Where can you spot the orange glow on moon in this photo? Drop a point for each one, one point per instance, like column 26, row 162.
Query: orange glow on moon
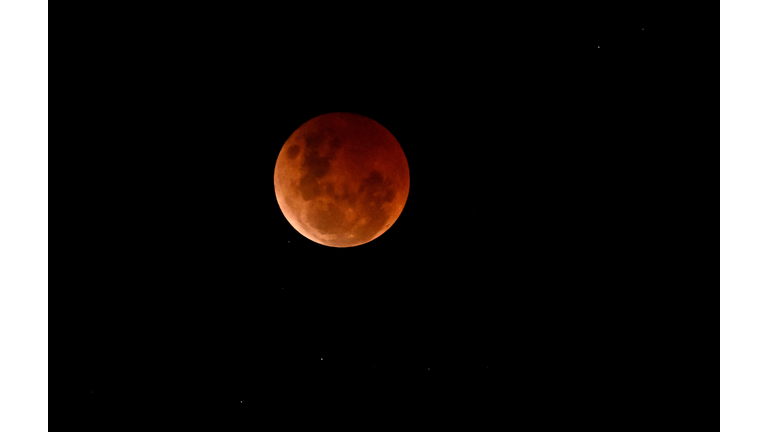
column 341, row 179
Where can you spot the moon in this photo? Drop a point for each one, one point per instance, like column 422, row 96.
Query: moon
column 341, row 179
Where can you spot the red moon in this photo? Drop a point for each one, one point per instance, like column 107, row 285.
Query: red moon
column 341, row 179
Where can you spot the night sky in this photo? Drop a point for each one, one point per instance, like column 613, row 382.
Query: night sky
column 529, row 160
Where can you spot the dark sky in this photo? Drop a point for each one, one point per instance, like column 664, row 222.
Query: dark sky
column 530, row 168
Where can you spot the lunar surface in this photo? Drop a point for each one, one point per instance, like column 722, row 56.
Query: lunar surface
column 341, row 179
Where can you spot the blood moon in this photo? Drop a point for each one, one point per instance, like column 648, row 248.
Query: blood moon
column 341, row 179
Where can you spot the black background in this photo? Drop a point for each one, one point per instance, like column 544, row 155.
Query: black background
column 535, row 179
